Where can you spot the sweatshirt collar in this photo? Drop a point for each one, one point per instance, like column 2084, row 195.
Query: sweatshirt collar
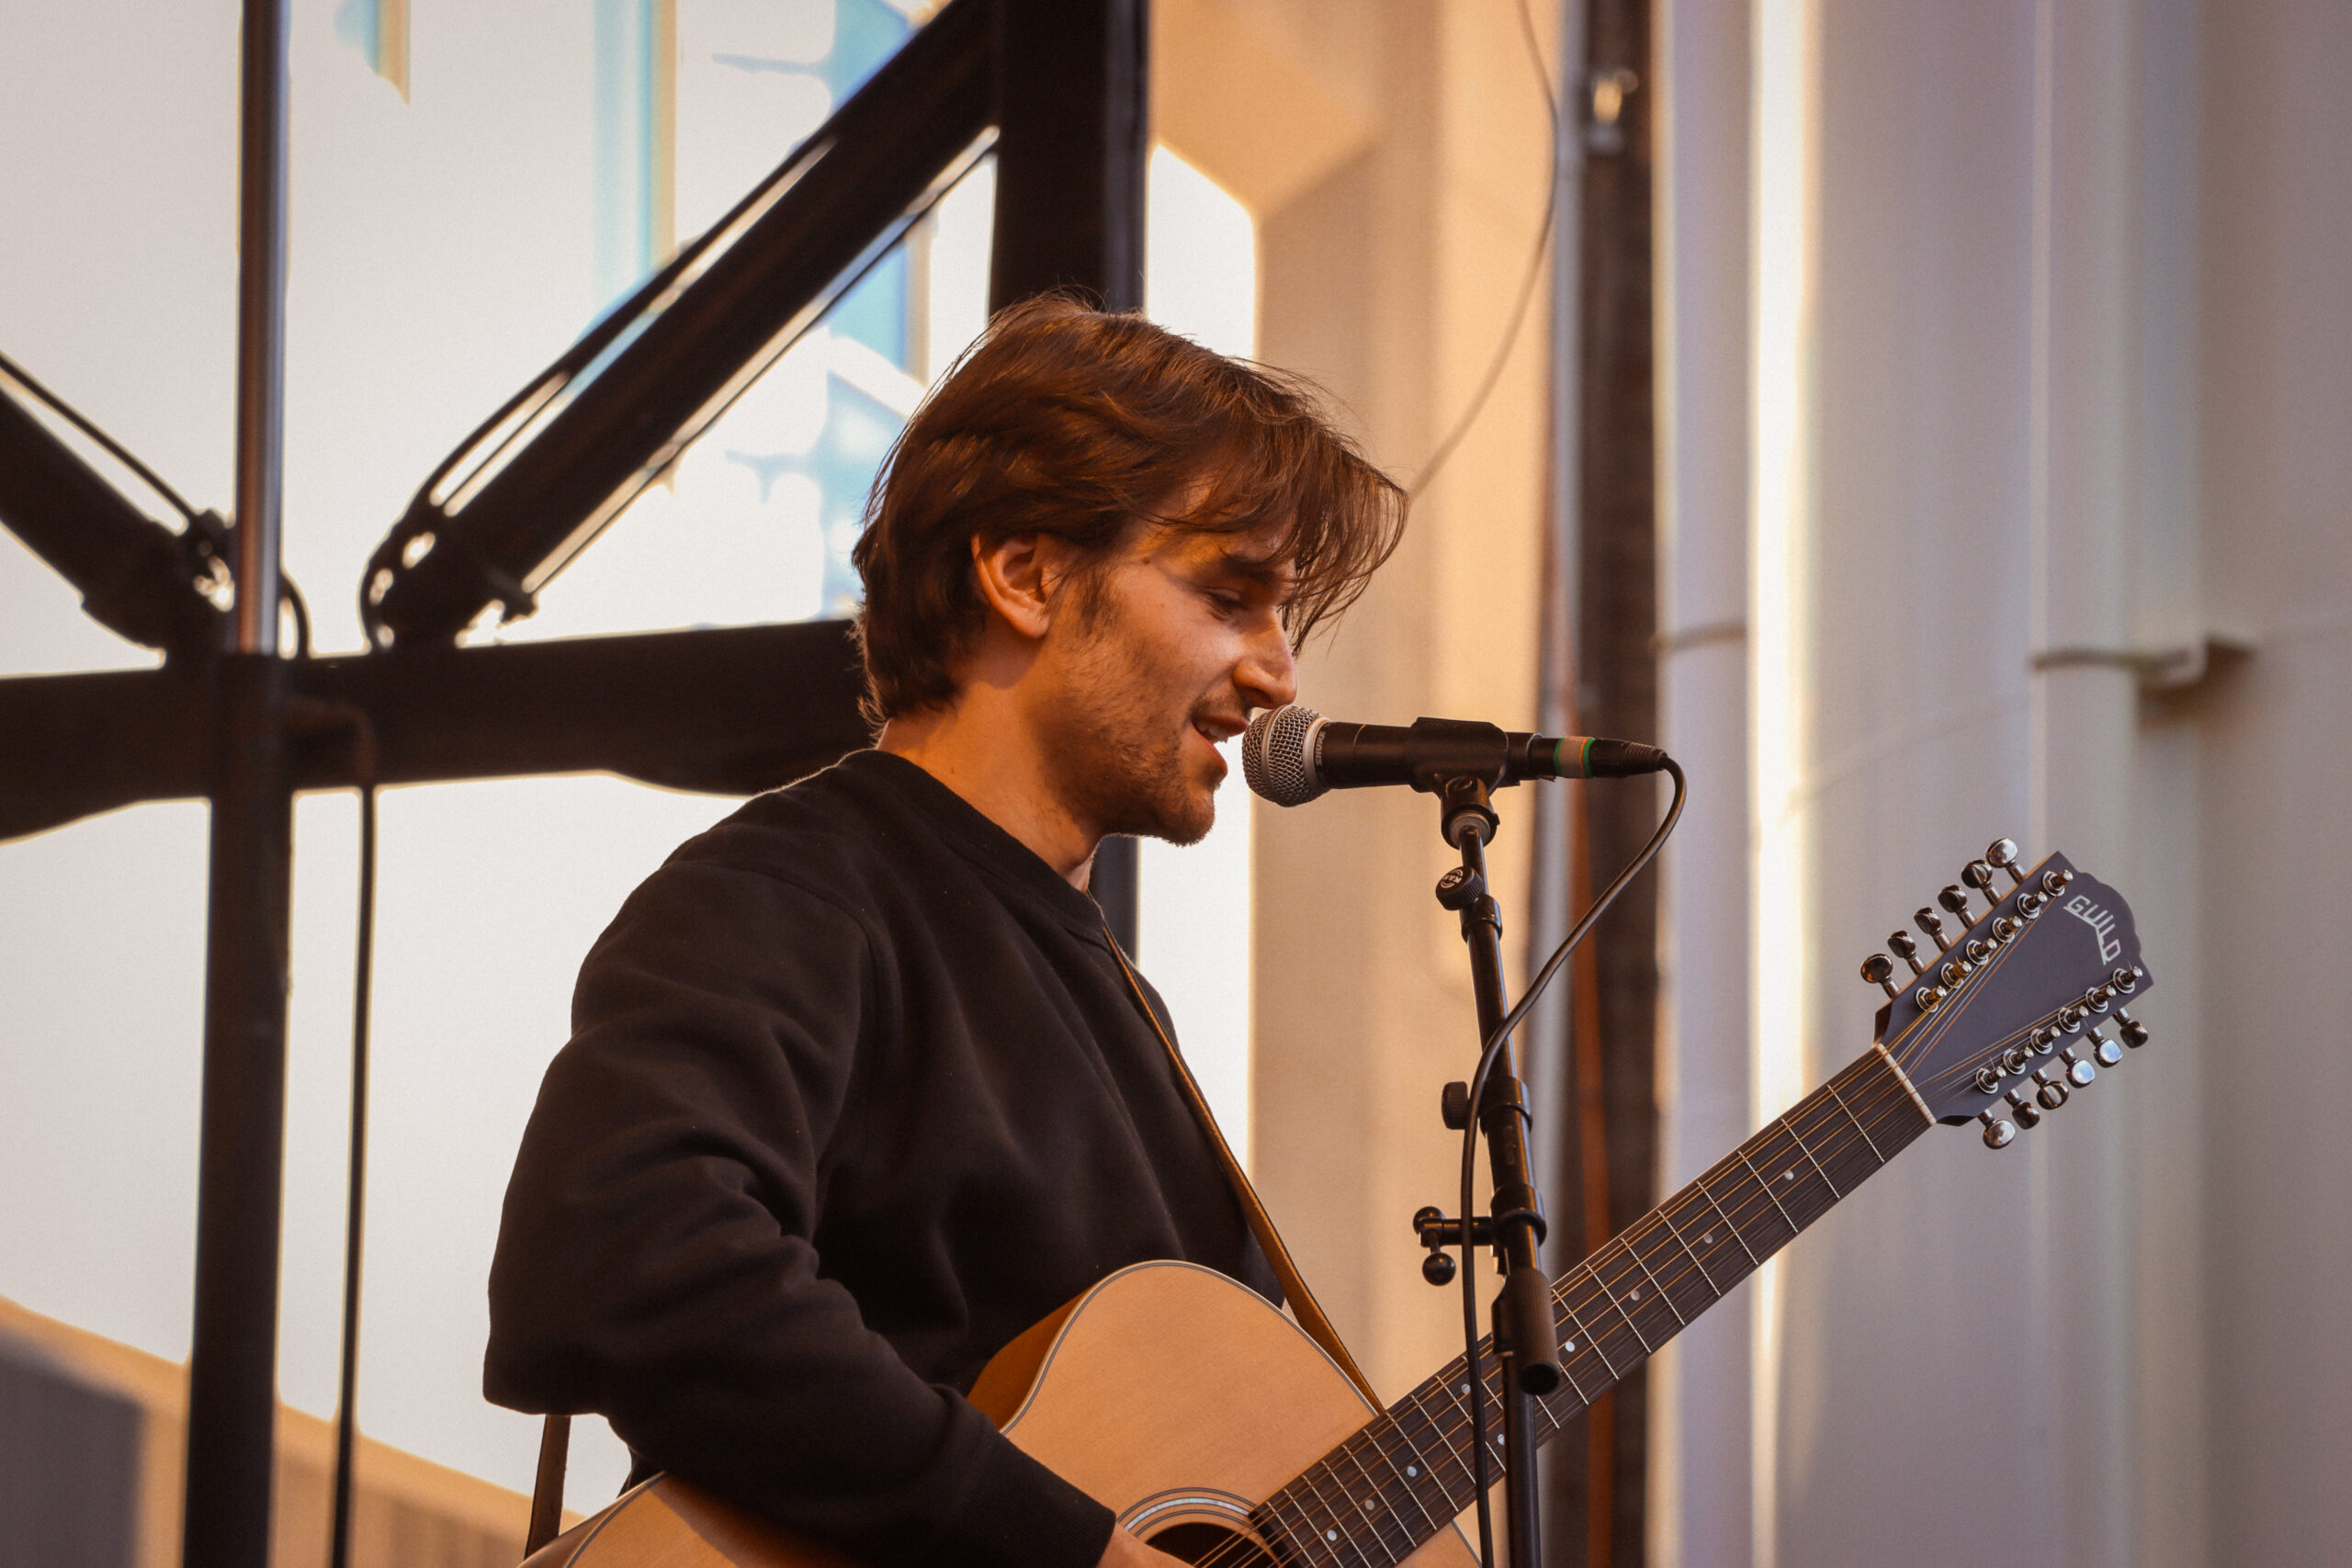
column 970, row 833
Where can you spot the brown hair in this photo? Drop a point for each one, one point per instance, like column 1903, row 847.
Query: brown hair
column 1080, row 424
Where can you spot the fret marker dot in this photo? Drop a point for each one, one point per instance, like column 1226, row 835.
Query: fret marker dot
column 1463, row 1389
column 1637, row 1295
column 1411, row 1470
column 1371, row 1506
column 1707, row 1239
column 1788, row 1176
column 1330, row 1535
column 1567, row 1347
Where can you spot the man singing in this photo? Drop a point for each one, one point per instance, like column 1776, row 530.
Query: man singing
column 858, row 1089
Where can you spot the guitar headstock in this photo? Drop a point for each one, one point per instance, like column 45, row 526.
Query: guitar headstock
column 2025, row 1004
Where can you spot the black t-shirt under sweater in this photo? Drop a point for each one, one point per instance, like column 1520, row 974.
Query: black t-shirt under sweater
column 856, row 1092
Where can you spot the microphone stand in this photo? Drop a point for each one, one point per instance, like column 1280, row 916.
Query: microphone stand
column 1526, row 1334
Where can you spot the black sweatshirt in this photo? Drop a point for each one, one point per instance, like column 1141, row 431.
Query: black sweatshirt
column 855, row 1093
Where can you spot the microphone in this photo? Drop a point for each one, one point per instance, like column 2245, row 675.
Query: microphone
column 1293, row 754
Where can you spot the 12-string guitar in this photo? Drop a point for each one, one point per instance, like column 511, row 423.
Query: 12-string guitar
column 1221, row 1434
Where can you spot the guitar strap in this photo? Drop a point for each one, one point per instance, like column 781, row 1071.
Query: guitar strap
column 1301, row 1301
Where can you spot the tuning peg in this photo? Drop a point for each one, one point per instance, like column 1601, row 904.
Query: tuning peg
column 1999, row 1131
column 2053, row 1092
column 2029, row 1116
column 2136, row 1034
column 2003, row 852
column 1878, row 969
column 1978, row 874
column 1932, row 923
column 1955, row 900
column 2105, row 1051
column 2078, row 1072
column 1906, row 950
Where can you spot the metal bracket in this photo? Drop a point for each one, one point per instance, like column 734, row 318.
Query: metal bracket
column 2158, row 670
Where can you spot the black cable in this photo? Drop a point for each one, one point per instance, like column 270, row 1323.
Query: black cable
column 1428, row 475
column 294, row 602
column 203, row 536
column 74, row 417
column 347, row 1413
column 1487, row 1056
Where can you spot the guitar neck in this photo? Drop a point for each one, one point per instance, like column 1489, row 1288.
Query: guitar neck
column 1399, row 1479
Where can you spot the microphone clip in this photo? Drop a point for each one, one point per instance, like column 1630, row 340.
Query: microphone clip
column 1467, row 813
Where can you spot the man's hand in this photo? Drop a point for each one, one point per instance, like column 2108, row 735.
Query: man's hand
column 1127, row 1551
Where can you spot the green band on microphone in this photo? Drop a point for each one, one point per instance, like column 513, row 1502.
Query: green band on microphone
column 1583, row 761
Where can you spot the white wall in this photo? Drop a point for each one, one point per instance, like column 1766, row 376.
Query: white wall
column 2067, row 285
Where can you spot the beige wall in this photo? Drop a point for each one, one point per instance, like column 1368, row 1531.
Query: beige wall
column 406, row 1513
column 1396, row 157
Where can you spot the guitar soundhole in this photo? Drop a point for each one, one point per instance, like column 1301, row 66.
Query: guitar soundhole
column 1194, row 1542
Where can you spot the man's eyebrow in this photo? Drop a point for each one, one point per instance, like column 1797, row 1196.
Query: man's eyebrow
column 1277, row 570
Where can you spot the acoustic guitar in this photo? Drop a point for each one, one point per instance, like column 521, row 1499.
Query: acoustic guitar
column 1221, row 1434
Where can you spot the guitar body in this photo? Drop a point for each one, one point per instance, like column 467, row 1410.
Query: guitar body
column 1175, row 1395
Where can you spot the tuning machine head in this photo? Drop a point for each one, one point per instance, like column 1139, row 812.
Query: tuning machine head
column 1878, row 970
column 2003, row 852
column 1933, row 924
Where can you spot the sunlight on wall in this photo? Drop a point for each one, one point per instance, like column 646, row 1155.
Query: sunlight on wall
column 1786, row 159
column 1200, row 279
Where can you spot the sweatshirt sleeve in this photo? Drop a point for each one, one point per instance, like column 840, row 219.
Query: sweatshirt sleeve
column 655, row 1261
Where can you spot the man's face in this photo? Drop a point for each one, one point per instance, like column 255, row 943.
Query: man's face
column 1177, row 641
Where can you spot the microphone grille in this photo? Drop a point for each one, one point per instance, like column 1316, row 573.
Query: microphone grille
column 1274, row 755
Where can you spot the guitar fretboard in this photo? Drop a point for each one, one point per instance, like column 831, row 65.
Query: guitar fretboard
column 1376, row 1498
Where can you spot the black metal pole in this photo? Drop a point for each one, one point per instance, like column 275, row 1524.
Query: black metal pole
column 1074, row 142
column 233, row 1373
column 1526, row 1339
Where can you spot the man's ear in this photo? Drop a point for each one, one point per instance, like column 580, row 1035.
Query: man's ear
column 1020, row 578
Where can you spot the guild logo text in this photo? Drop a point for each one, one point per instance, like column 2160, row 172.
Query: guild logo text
column 2102, row 924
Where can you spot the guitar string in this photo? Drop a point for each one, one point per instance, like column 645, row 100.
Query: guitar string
column 1913, row 1043
column 1544, row 1404
column 1821, row 1104
column 1796, row 1127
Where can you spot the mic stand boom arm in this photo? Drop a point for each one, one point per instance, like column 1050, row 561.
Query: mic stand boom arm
column 1526, row 1335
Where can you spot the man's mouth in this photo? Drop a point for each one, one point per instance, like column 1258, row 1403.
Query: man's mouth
column 1217, row 728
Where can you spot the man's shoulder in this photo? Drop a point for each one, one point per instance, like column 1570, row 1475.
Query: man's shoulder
column 819, row 833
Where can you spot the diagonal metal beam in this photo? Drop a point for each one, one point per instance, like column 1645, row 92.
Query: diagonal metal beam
column 602, row 423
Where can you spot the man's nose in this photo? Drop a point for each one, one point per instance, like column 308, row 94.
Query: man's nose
column 1269, row 673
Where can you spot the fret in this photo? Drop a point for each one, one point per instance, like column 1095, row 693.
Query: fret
column 1623, row 1313
column 1754, row 1262
column 1407, row 1475
column 1832, row 1086
column 1445, row 1445
column 1639, row 1292
column 1635, row 1253
column 1590, row 1343
column 1798, row 1138
column 1346, row 1512
column 1305, row 1539
column 1759, row 1178
column 1802, row 1188
column 1666, row 1214
column 1377, row 1509
column 1336, row 1516
column 1569, row 1350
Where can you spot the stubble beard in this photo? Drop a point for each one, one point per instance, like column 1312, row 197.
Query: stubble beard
column 1118, row 754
